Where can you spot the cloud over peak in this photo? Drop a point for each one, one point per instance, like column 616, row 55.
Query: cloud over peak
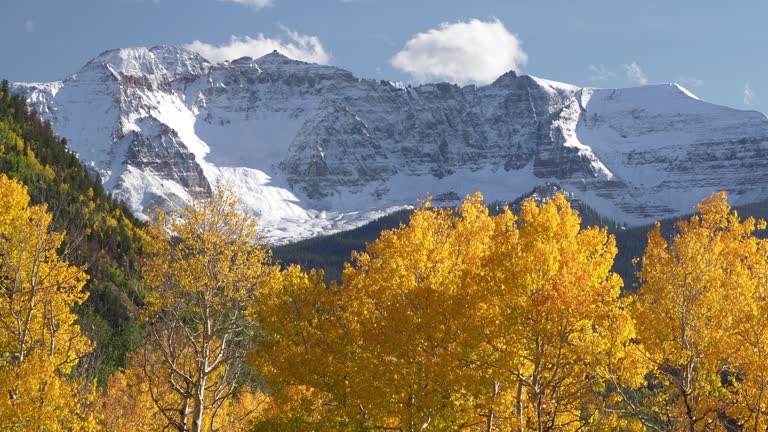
column 635, row 74
column 463, row 52
column 297, row 46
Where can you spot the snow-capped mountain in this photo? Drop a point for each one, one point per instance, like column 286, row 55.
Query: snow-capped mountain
column 312, row 149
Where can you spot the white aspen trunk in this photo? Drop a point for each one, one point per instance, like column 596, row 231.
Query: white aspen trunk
column 489, row 425
column 520, row 415
column 199, row 405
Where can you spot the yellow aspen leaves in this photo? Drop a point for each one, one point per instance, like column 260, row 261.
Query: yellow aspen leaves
column 457, row 321
column 39, row 340
column 462, row 321
column 559, row 332
column 36, row 397
column 127, row 405
column 700, row 315
column 202, row 270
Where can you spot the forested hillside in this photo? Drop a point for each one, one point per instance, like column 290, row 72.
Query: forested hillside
column 101, row 232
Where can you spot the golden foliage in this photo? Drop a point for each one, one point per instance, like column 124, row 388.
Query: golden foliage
column 203, row 268
column 35, row 397
column 458, row 320
column 129, row 401
column 40, row 287
column 561, row 332
column 39, row 340
column 126, row 404
column 700, row 315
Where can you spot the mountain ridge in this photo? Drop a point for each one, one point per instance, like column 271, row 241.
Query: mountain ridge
column 315, row 150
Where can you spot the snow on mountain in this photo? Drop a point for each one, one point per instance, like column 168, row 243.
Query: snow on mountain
column 312, row 149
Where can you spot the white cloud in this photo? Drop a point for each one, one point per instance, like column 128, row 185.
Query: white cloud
column 256, row 4
column 749, row 95
column 29, row 26
column 298, row 47
column 635, row 74
column 462, row 52
column 601, row 73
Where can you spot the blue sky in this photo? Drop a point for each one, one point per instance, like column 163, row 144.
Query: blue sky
column 714, row 48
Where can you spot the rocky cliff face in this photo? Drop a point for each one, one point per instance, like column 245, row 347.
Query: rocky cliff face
column 313, row 149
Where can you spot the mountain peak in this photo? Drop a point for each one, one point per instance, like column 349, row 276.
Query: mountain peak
column 176, row 52
column 507, row 77
column 276, row 57
column 160, row 60
column 276, row 54
column 179, row 61
column 128, row 61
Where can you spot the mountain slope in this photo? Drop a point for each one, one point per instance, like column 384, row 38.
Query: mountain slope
column 314, row 150
column 100, row 231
